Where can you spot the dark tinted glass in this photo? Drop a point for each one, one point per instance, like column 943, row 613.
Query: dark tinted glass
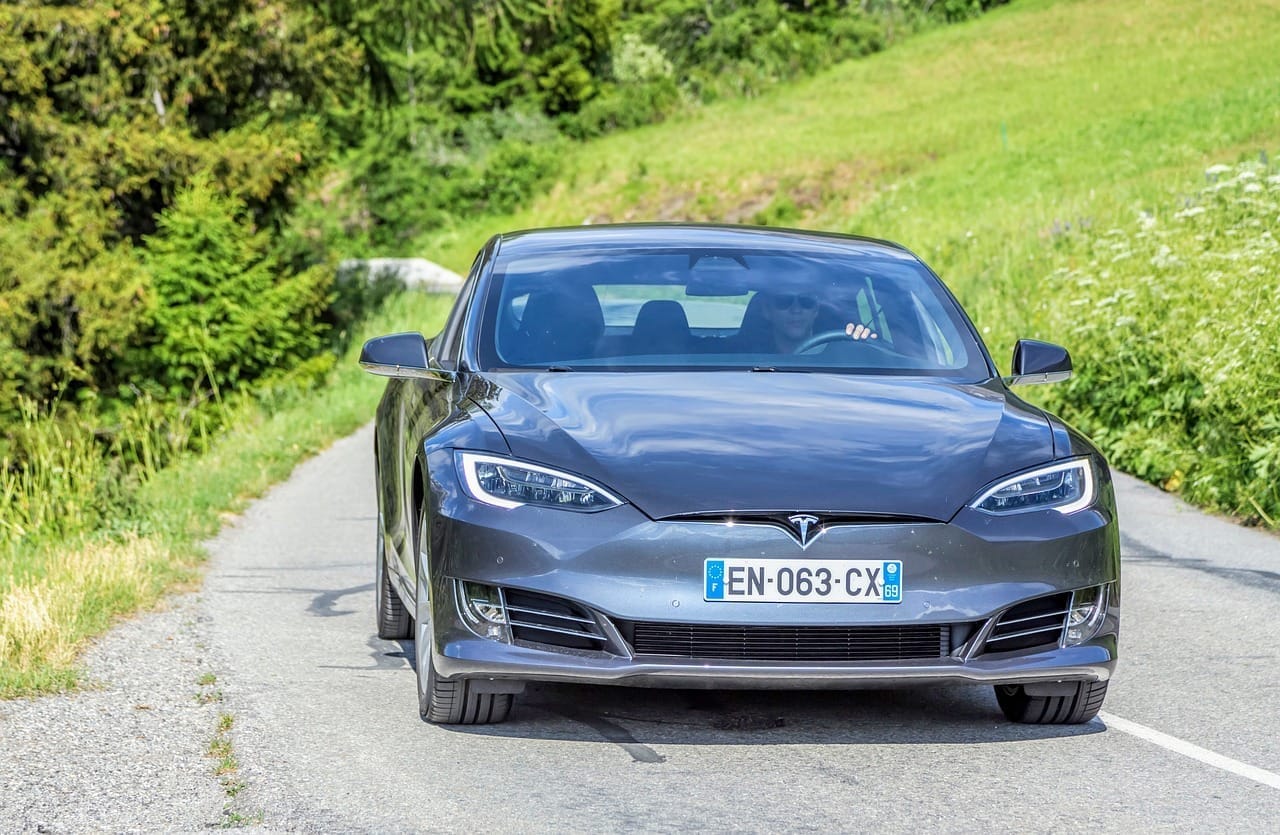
column 693, row 309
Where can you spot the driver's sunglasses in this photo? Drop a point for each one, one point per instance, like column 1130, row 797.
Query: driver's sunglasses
column 790, row 300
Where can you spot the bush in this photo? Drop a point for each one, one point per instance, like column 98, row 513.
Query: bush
column 425, row 170
column 724, row 47
column 1179, row 317
column 223, row 313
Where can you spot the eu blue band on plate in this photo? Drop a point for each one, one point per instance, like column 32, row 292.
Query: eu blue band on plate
column 715, row 579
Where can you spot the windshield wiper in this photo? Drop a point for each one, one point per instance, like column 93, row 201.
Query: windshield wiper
column 763, row 368
column 559, row 368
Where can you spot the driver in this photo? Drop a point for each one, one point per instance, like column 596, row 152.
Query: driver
column 791, row 318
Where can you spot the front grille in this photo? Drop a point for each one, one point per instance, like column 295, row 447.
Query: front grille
column 1035, row 623
column 789, row 643
column 542, row 619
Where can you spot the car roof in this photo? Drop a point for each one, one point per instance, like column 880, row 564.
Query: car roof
column 695, row 236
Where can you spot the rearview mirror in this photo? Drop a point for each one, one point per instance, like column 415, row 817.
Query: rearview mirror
column 399, row 355
column 1038, row 362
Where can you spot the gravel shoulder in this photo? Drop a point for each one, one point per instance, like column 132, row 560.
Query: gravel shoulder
column 129, row 752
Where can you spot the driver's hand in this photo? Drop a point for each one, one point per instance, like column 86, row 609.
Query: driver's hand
column 860, row 331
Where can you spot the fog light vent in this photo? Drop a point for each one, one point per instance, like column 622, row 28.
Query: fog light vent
column 543, row 619
column 483, row 609
column 1088, row 608
column 1033, row 624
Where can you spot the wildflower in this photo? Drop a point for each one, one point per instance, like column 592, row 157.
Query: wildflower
column 1217, row 169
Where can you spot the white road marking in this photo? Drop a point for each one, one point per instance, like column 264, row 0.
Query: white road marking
column 1195, row 752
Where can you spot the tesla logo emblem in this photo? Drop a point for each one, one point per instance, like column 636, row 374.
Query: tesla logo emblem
column 805, row 528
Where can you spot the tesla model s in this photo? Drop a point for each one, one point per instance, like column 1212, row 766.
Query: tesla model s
column 728, row 457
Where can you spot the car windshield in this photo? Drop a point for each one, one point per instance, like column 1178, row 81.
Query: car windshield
column 683, row 308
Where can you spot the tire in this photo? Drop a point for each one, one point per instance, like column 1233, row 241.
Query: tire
column 394, row 620
column 444, row 702
column 1073, row 708
column 441, row 701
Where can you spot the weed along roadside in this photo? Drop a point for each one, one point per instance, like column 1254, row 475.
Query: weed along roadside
column 58, row 591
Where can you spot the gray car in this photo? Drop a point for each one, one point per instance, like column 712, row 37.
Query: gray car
column 715, row 457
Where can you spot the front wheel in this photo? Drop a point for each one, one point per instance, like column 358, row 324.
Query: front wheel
column 394, row 620
column 441, row 701
column 1075, row 706
column 456, row 702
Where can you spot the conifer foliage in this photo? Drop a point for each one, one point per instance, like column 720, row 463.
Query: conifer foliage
column 223, row 311
column 108, row 109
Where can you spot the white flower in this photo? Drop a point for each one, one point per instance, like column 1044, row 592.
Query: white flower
column 1250, row 188
column 1191, row 212
column 1217, row 169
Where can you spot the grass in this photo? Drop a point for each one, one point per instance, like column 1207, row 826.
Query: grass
column 997, row 150
column 1180, row 300
column 966, row 143
column 65, row 586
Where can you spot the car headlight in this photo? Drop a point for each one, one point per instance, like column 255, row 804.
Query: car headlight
column 1065, row 487
column 503, row 482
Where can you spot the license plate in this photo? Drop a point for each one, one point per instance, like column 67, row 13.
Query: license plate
column 803, row 581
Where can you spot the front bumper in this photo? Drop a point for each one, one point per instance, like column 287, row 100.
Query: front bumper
column 620, row 567
column 465, row 656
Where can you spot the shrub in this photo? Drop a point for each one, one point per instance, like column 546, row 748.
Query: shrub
column 223, row 313
column 425, row 170
column 1179, row 316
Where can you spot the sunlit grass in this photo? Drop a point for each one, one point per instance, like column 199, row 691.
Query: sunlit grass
column 966, row 144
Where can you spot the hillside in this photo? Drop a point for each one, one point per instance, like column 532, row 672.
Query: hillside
column 1007, row 151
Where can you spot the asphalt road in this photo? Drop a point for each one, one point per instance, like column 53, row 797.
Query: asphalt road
column 328, row 736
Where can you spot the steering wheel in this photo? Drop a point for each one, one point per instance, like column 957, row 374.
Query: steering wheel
column 830, row 336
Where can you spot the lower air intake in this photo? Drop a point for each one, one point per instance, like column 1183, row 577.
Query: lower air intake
column 790, row 643
column 1035, row 623
column 542, row 619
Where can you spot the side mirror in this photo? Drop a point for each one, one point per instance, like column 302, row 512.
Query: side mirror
column 1038, row 362
column 399, row 355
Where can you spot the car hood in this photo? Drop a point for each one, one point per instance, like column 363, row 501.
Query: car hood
column 740, row 442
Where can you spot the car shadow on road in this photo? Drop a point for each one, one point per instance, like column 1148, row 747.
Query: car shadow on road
column 638, row 718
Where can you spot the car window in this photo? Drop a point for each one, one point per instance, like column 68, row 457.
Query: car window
column 706, row 315
column 743, row 309
column 451, row 336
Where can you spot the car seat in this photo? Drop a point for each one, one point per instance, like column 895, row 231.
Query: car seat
column 559, row 324
column 661, row 328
